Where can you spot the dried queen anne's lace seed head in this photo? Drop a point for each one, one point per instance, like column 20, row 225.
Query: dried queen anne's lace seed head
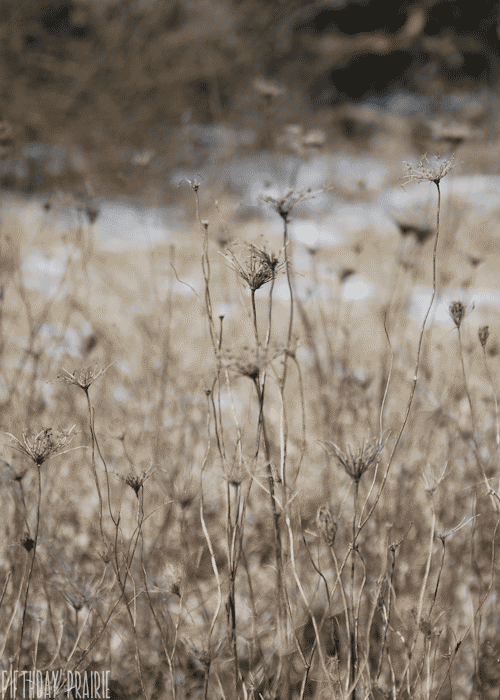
column 136, row 481
column 327, row 525
column 258, row 269
column 483, row 335
column 432, row 170
column 284, row 205
column 250, row 361
column 355, row 464
column 457, row 312
column 42, row 445
column 83, row 377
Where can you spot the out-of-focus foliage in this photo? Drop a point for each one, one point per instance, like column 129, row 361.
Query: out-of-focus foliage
column 103, row 75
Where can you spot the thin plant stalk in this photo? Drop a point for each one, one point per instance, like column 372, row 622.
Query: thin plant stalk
column 417, row 363
column 32, row 563
column 483, row 338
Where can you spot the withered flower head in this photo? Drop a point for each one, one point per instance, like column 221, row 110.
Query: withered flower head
column 42, row 445
column 483, row 335
column 326, row 524
column 432, row 170
column 27, row 542
column 250, row 361
column 355, row 464
column 83, row 377
column 458, row 312
column 284, row 205
column 259, row 268
column 136, row 481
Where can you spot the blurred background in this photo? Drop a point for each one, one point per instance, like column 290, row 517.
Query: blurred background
column 120, row 95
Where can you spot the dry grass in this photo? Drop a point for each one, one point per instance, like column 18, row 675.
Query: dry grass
column 263, row 497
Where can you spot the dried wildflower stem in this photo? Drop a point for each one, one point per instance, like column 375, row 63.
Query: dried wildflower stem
column 15, row 607
column 168, row 655
column 275, row 511
column 205, row 265
column 303, row 447
column 354, row 628
column 458, row 312
column 234, row 535
column 474, row 622
column 84, row 378
column 483, row 339
column 39, row 448
column 254, row 316
column 436, row 178
column 165, row 340
column 365, row 661
column 205, row 261
column 122, row 582
column 355, row 464
column 94, row 468
column 406, row 672
column 234, row 531
column 386, row 612
column 32, row 563
column 219, row 589
column 387, row 382
column 282, row 382
column 304, row 597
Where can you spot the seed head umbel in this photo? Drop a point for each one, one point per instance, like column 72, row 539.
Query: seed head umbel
column 40, row 446
column 83, row 377
column 284, row 205
column 483, row 335
column 326, row 524
column 259, row 268
column 136, row 481
column 432, row 170
column 356, row 463
column 250, row 361
column 458, row 311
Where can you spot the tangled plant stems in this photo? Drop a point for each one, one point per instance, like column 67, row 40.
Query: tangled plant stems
column 458, row 311
column 355, row 464
column 84, row 378
column 209, row 530
column 38, row 447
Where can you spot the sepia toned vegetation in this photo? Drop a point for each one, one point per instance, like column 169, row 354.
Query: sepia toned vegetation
column 224, row 474
column 217, row 486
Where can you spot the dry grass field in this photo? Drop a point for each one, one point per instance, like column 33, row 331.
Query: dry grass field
column 225, row 476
